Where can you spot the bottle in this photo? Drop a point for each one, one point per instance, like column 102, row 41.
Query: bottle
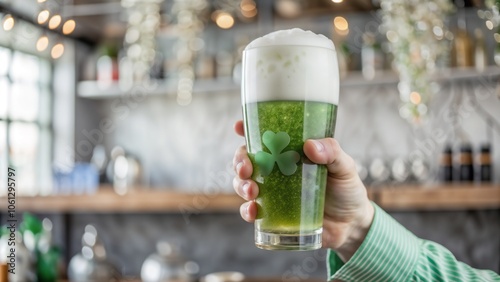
column 107, row 65
column 372, row 58
column 485, row 165
column 4, row 272
column 462, row 46
column 466, row 167
column 446, row 165
column 480, row 60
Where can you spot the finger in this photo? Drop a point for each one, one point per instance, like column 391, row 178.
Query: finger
column 248, row 211
column 247, row 189
column 238, row 127
column 242, row 164
column 327, row 151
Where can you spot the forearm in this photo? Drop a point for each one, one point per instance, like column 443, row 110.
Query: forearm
column 389, row 252
column 437, row 263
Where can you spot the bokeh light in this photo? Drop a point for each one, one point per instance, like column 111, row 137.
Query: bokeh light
column 42, row 43
column 341, row 25
column 415, row 98
column 57, row 51
column 55, row 21
column 69, row 27
column 224, row 20
column 43, row 16
column 8, row 22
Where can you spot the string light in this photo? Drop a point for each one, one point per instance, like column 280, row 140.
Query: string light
column 497, row 37
column 8, row 22
column 55, row 21
column 43, row 16
column 57, row 51
column 490, row 25
column 415, row 98
column 42, row 43
column 69, row 27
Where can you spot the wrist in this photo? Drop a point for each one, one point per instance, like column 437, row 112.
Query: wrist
column 357, row 232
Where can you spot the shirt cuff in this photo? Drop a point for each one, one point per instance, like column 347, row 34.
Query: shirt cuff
column 388, row 253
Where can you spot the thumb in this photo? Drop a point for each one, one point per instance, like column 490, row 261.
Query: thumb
column 327, row 152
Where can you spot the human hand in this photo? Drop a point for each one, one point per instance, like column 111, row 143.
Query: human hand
column 348, row 211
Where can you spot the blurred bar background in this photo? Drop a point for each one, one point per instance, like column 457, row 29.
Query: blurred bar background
column 117, row 117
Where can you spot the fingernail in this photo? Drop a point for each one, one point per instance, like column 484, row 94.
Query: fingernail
column 245, row 189
column 319, row 146
column 244, row 207
column 238, row 166
column 247, row 213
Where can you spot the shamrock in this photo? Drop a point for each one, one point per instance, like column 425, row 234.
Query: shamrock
column 276, row 142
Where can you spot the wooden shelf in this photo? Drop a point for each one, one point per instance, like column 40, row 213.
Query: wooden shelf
column 138, row 200
column 404, row 198
column 452, row 197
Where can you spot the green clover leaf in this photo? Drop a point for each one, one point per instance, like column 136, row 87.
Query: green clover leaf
column 276, row 143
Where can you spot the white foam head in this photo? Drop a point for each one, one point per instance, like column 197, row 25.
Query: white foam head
column 295, row 36
column 290, row 65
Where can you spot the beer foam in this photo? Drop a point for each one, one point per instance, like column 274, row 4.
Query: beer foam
column 290, row 65
column 295, row 36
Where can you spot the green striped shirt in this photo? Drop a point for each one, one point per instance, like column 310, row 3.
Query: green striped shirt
column 392, row 253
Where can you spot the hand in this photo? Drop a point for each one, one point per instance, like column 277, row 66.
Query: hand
column 348, row 211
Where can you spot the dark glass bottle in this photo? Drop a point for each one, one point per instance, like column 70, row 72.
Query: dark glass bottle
column 446, row 165
column 466, row 167
column 485, row 165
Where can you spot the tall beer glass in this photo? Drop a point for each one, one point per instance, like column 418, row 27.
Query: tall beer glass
column 290, row 92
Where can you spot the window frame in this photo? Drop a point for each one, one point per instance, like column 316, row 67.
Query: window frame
column 44, row 127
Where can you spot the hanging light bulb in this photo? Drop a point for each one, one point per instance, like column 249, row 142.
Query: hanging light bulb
column 41, row 1
column 55, row 21
column 43, row 16
column 69, row 27
column 247, row 5
column 42, row 43
column 57, row 51
column 224, row 20
column 341, row 25
column 8, row 22
column 248, row 8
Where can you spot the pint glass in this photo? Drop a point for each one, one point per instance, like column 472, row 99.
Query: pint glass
column 290, row 92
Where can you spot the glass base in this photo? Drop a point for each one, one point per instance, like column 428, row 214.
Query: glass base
column 291, row 242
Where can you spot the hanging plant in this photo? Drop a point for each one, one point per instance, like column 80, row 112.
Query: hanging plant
column 491, row 16
column 418, row 38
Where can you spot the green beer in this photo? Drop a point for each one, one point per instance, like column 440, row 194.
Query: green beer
column 289, row 94
column 294, row 203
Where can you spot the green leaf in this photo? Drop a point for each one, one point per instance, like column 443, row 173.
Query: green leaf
column 275, row 142
column 265, row 162
column 287, row 162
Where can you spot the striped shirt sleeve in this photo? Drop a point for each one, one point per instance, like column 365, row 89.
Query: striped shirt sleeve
column 392, row 253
